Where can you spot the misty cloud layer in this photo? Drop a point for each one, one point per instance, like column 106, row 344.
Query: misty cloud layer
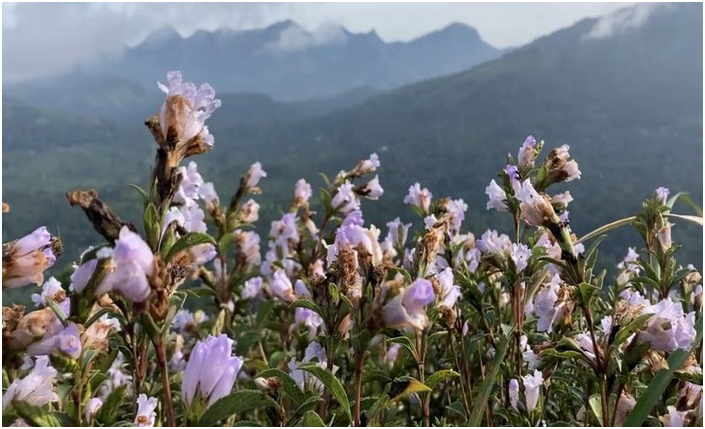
column 44, row 38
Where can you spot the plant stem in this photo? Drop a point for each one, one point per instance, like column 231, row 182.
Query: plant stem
column 462, row 374
column 360, row 361
column 425, row 402
column 161, row 360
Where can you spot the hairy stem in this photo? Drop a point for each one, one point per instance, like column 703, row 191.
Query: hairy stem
column 160, row 349
column 358, row 386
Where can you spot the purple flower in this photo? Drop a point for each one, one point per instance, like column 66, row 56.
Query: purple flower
column 449, row 292
column 356, row 238
column 406, row 310
column 669, row 328
column 493, row 243
column 133, row 264
column 209, row 195
column 313, row 351
column 398, row 233
column 308, row 318
column 391, row 354
column 82, row 273
column 497, row 197
column 544, row 304
column 418, row 197
column 92, row 408
column 373, row 190
column 281, row 286
column 345, row 199
column 25, row 260
column 457, row 209
column 302, row 192
column 520, row 254
column 353, row 218
column 248, row 247
column 527, row 152
column 662, row 194
column 368, row 166
column 52, row 289
column 64, row 340
column 190, row 186
column 186, row 108
column 252, row 288
column 36, row 389
column 211, row 371
column 254, row 175
column 514, row 392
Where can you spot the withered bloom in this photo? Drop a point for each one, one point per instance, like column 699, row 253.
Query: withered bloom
column 25, row 260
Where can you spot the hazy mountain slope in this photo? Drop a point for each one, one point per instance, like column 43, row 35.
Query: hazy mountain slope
column 630, row 106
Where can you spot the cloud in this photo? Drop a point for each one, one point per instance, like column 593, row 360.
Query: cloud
column 624, row 20
column 295, row 38
column 40, row 39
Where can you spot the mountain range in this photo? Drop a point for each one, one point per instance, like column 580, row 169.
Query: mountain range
column 624, row 91
column 282, row 61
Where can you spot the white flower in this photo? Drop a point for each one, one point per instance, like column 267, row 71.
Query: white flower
column 209, row 195
column 449, row 292
column 520, row 254
column 406, row 310
column 313, row 351
column 369, row 165
column 52, row 289
column 669, row 328
column 37, row 388
column 497, row 197
column 457, row 209
column 254, row 175
column 544, row 305
column 281, row 286
column 248, row 247
column 532, row 389
column 25, row 260
column 674, row 418
column 92, row 408
column 662, row 194
column 418, row 197
column 146, row 413
column 252, row 288
column 429, row 221
column 493, row 243
column 190, row 186
column 133, row 264
column 345, row 199
column 186, row 109
column 398, row 233
column 302, row 192
column 372, row 190
column 527, row 152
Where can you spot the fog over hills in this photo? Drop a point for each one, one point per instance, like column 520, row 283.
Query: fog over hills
column 625, row 92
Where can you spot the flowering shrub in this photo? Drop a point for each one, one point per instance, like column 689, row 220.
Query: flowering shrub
column 340, row 325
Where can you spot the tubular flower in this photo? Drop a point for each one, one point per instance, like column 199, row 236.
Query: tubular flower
column 302, row 193
column 497, row 197
column 418, row 197
column 254, row 175
column 211, row 371
column 448, row 293
column 345, row 199
column 190, row 186
column 52, row 289
column 669, row 328
column 146, row 413
column 514, row 393
column 37, row 388
column 527, row 152
column 406, row 309
column 372, row 190
column 560, row 167
column 186, row 109
column 64, row 340
column 133, row 263
column 25, row 260
column 532, row 389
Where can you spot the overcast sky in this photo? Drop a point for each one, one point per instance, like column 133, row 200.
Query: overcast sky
column 41, row 38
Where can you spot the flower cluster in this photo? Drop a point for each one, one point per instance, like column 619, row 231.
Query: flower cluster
column 199, row 320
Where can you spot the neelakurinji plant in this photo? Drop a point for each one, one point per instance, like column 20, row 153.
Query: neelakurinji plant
column 337, row 326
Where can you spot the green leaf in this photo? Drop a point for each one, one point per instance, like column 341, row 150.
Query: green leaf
column 439, row 376
column 405, row 386
column 140, row 191
column 246, row 424
column 36, row 416
column 625, row 331
column 691, row 218
column 658, row 385
column 596, row 407
column 482, row 399
column 187, row 241
column 308, row 404
column 108, row 411
column 152, row 225
column 685, row 197
column 332, row 384
column 311, row 419
column 289, row 385
column 406, row 342
column 307, row 303
column 57, row 310
column 604, row 228
column 235, row 403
